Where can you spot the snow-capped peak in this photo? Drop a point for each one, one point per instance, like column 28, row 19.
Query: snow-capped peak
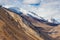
column 23, row 11
column 26, row 12
column 8, row 6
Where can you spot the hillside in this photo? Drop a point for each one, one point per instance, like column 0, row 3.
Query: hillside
column 23, row 27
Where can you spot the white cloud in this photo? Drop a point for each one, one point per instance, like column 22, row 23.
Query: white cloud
column 47, row 8
column 31, row 1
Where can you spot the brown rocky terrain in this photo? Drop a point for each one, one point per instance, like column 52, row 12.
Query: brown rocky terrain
column 22, row 27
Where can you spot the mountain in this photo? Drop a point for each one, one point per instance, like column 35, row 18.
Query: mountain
column 15, row 26
column 19, row 11
column 32, row 14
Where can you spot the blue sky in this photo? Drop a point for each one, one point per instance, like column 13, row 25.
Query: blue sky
column 44, row 8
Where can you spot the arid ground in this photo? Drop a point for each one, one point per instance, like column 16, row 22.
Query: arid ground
column 23, row 27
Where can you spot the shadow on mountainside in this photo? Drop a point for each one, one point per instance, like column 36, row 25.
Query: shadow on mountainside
column 14, row 31
column 39, row 30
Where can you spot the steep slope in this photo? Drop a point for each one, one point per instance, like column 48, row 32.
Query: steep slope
column 12, row 27
column 23, row 27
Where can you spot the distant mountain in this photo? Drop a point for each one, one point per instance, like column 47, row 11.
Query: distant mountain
column 15, row 9
column 19, row 11
column 32, row 14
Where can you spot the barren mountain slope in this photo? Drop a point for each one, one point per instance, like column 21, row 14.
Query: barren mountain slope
column 12, row 27
column 22, row 27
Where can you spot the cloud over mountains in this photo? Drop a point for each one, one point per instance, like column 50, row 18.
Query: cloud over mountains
column 46, row 8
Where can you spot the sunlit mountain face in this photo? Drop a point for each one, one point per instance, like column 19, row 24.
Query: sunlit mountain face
column 48, row 9
column 30, row 19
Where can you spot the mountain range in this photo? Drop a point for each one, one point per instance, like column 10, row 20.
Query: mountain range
column 19, row 11
column 16, row 24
